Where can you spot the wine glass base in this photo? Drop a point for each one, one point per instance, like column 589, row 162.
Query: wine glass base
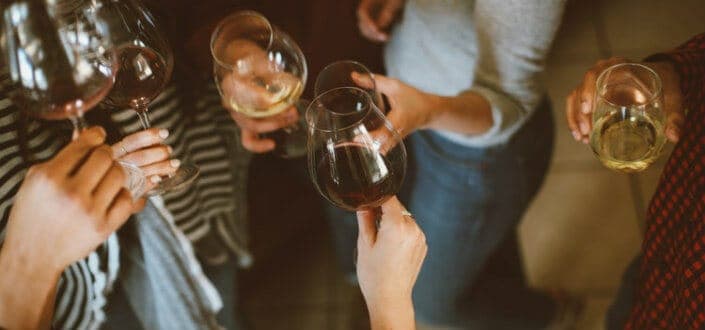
column 183, row 178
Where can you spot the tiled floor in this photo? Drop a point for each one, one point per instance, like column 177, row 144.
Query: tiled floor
column 582, row 229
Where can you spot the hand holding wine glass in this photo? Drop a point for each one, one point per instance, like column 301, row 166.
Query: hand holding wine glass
column 395, row 246
column 260, row 73
column 145, row 67
column 580, row 102
column 146, row 150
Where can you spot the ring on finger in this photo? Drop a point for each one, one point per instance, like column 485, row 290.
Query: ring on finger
column 407, row 214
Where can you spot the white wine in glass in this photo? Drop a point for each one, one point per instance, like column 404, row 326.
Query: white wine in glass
column 628, row 121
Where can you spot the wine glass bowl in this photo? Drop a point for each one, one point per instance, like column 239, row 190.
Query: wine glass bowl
column 259, row 70
column 356, row 158
column 628, row 120
column 59, row 67
column 348, row 73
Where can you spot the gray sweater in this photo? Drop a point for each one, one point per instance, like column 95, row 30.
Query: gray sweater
column 496, row 48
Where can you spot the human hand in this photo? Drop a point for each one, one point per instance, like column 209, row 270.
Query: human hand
column 580, row 102
column 375, row 16
column 410, row 108
column 146, row 150
column 256, row 85
column 68, row 205
column 388, row 263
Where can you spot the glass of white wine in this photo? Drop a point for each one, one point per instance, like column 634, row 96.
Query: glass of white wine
column 259, row 70
column 628, row 120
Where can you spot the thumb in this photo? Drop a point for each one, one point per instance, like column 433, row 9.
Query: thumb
column 385, row 85
column 387, row 14
column 674, row 125
column 367, row 228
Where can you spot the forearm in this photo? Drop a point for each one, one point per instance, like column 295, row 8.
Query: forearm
column 468, row 113
column 393, row 316
column 27, row 292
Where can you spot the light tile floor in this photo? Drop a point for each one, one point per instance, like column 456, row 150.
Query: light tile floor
column 582, row 229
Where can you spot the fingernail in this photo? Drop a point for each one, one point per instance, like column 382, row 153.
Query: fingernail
column 584, row 108
column 155, row 179
column 576, row 135
column 175, row 163
column 163, row 133
column 169, row 149
column 584, row 128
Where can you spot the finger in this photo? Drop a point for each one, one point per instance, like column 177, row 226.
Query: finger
column 269, row 124
column 571, row 110
column 674, row 125
column 253, row 143
column 94, row 168
column 387, row 14
column 119, row 211
column 367, row 226
column 392, row 211
column 587, row 92
column 367, row 25
column 140, row 140
column 148, row 156
column 138, row 205
column 363, row 80
column 108, row 188
column 69, row 158
column 163, row 168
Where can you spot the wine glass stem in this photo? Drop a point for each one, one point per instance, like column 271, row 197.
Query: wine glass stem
column 79, row 125
column 144, row 117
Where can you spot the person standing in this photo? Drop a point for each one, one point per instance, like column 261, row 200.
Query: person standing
column 664, row 287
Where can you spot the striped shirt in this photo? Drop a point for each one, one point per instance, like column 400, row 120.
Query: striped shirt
column 211, row 213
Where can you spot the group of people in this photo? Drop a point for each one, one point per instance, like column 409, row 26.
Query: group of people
column 464, row 90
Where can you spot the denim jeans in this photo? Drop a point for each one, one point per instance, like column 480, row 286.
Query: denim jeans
column 468, row 201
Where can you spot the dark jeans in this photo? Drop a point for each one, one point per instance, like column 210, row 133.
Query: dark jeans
column 618, row 314
column 468, row 201
column 121, row 316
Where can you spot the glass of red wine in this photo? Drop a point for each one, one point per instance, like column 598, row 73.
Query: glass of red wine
column 356, row 158
column 145, row 63
column 260, row 72
column 60, row 65
column 348, row 73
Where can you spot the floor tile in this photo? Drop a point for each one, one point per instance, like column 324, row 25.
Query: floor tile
column 646, row 26
column 593, row 316
column 581, row 231
column 290, row 319
column 577, row 36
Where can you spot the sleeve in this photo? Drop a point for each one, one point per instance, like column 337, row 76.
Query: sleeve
column 689, row 61
column 514, row 38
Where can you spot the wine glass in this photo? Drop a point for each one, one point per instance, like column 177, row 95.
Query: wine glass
column 259, row 70
column 348, row 73
column 60, row 66
column 628, row 120
column 145, row 63
column 356, row 158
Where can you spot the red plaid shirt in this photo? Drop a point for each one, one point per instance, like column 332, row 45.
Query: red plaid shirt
column 670, row 292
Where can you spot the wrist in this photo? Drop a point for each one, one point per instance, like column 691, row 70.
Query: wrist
column 392, row 314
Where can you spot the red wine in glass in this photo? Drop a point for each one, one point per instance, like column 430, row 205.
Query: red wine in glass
column 355, row 177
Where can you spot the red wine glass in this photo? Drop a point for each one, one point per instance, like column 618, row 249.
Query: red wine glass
column 145, row 63
column 60, row 65
column 356, row 158
column 348, row 73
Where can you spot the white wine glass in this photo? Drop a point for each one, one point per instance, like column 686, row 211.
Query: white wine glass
column 145, row 64
column 628, row 118
column 260, row 71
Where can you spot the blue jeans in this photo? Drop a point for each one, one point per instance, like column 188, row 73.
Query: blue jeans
column 468, row 201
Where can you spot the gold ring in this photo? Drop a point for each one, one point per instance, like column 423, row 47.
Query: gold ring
column 407, row 214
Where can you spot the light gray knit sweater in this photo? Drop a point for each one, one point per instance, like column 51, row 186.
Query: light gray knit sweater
column 496, row 48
